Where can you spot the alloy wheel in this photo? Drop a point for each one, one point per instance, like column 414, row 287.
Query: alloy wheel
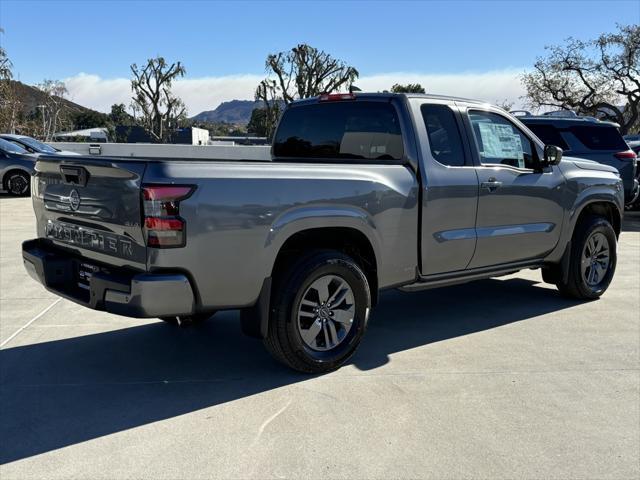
column 595, row 259
column 17, row 184
column 326, row 312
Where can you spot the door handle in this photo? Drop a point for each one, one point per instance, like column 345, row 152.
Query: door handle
column 492, row 184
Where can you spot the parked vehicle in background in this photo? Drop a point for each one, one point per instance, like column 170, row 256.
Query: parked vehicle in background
column 365, row 192
column 588, row 138
column 634, row 143
column 31, row 145
column 16, row 167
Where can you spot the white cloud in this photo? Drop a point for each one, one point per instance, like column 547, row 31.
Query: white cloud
column 207, row 93
column 98, row 93
column 492, row 87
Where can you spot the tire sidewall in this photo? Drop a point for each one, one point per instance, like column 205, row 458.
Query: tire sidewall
column 349, row 271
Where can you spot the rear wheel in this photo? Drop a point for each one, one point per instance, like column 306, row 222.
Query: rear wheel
column 593, row 260
column 185, row 321
column 17, row 183
column 319, row 312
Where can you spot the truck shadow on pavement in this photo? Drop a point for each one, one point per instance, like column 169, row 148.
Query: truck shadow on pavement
column 63, row 392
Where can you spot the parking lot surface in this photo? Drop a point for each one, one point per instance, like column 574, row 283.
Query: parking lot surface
column 501, row 378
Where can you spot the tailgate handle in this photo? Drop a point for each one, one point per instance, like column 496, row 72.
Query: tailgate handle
column 74, row 175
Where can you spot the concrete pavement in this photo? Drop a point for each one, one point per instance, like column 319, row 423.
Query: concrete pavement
column 501, row 378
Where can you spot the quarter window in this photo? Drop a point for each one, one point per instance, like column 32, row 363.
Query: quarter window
column 500, row 142
column 444, row 137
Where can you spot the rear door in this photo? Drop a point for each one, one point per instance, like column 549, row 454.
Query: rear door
column 450, row 188
column 520, row 210
column 92, row 207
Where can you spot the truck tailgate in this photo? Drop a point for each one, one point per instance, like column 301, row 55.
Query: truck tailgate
column 92, row 207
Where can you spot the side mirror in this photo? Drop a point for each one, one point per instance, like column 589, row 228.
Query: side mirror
column 552, row 155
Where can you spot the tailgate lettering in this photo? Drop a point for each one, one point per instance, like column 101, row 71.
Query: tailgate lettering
column 107, row 243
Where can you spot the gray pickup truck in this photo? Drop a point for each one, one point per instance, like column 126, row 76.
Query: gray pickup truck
column 365, row 192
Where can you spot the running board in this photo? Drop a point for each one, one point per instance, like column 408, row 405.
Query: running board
column 464, row 276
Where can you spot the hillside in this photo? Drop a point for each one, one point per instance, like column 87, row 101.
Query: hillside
column 32, row 97
column 234, row 111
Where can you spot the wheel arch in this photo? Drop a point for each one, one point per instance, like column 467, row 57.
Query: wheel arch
column 348, row 240
column 601, row 208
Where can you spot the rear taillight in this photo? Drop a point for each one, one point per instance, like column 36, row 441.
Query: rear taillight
column 626, row 155
column 162, row 222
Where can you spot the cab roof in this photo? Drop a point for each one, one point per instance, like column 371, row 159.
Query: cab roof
column 389, row 95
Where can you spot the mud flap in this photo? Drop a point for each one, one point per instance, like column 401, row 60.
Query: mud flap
column 254, row 320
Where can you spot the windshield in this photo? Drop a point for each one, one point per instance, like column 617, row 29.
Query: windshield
column 11, row 147
column 36, row 145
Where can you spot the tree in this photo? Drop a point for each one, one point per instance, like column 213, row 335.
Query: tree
column 89, row 119
column 159, row 109
column 119, row 115
column 257, row 124
column 408, row 88
column 51, row 111
column 267, row 92
column 302, row 72
column 505, row 104
column 599, row 77
column 10, row 103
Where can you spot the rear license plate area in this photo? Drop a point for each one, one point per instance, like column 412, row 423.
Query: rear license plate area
column 84, row 272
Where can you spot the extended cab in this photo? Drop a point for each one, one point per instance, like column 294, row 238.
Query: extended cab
column 365, row 192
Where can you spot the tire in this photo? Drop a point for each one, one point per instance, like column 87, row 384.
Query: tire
column 185, row 321
column 301, row 307
column 17, row 183
column 592, row 235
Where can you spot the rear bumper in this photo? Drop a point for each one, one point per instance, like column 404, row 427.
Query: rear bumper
column 141, row 295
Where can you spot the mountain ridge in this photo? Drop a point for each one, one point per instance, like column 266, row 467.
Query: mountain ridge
column 232, row 111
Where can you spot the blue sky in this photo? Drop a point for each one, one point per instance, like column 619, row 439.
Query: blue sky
column 62, row 39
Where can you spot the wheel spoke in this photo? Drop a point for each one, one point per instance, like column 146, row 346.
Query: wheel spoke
column 339, row 295
column 307, row 314
column 343, row 316
column 333, row 334
column 327, row 340
column 322, row 287
column 309, row 335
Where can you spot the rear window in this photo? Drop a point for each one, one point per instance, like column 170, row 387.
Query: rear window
column 548, row 134
column 599, row 138
column 349, row 130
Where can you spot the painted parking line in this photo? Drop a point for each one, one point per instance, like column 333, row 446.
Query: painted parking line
column 15, row 334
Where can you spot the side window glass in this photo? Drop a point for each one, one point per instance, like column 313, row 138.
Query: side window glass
column 500, row 142
column 444, row 136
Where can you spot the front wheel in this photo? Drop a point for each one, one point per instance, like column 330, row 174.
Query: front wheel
column 319, row 314
column 593, row 260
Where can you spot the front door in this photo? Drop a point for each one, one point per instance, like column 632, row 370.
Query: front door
column 519, row 213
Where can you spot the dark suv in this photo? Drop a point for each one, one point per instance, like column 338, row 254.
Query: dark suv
column 588, row 138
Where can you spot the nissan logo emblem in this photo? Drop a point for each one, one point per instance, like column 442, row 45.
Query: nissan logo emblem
column 74, row 200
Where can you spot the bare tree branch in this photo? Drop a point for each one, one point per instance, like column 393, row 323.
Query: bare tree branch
column 599, row 77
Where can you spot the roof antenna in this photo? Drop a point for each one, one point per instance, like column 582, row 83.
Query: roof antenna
column 353, row 88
